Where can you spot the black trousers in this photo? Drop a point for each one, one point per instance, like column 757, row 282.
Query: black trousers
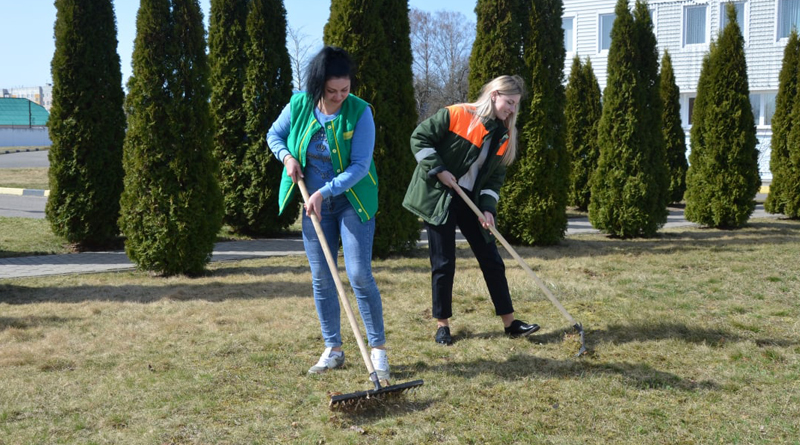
column 442, row 251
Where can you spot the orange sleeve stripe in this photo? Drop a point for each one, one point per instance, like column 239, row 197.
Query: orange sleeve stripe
column 460, row 119
column 503, row 148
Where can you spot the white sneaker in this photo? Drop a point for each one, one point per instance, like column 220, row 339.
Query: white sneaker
column 381, row 363
column 328, row 360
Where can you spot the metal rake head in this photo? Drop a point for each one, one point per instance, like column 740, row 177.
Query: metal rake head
column 359, row 399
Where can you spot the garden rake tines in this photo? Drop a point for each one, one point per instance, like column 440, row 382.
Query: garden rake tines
column 356, row 399
column 578, row 327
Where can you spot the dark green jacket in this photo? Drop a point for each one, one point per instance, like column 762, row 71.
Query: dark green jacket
column 442, row 143
column 364, row 195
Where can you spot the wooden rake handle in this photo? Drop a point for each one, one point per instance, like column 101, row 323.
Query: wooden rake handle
column 339, row 287
column 516, row 256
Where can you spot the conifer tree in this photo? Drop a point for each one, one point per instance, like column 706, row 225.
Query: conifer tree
column 723, row 177
column 582, row 111
column 534, row 197
column 227, row 42
column 784, row 191
column 268, row 89
column 629, row 187
column 376, row 35
column 87, row 125
column 674, row 136
column 397, row 120
column 497, row 49
column 171, row 204
column 789, row 175
column 655, row 172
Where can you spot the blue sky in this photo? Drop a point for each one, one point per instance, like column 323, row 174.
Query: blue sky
column 26, row 32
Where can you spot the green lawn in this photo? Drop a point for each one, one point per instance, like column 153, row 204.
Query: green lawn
column 693, row 339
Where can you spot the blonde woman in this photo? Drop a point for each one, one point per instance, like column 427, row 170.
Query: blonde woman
column 470, row 145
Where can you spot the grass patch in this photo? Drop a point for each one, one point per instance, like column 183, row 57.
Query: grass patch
column 27, row 236
column 680, row 350
column 25, row 178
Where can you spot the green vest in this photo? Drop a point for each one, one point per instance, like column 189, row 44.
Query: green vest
column 364, row 195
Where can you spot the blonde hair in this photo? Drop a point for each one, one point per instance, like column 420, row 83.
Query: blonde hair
column 482, row 109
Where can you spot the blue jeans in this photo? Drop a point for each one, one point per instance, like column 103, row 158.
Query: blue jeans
column 341, row 222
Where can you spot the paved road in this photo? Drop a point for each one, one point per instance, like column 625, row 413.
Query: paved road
column 22, row 206
column 29, row 159
column 91, row 262
column 33, row 207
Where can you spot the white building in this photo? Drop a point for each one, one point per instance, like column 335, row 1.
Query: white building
column 686, row 28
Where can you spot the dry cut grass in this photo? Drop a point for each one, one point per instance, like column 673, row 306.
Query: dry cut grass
column 693, row 338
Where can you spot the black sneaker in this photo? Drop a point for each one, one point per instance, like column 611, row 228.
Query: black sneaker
column 443, row 336
column 521, row 329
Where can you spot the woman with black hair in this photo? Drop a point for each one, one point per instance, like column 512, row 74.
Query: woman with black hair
column 326, row 136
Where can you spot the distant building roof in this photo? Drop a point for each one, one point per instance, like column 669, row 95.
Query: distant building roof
column 21, row 112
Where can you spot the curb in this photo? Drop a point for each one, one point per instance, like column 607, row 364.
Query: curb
column 4, row 151
column 23, row 192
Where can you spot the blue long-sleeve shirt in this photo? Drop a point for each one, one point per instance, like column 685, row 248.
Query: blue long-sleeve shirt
column 318, row 172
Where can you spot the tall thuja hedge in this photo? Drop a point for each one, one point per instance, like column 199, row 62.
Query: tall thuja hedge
column 267, row 90
column 87, row 125
column 534, row 197
column 629, row 187
column 171, row 205
column 582, row 111
column 375, row 33
column 227, row 44
column 396, row 121
column 674, row 136
column 497, row 49
column 784, row 191
column 723, row 177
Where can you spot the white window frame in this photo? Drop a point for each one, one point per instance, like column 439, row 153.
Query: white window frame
column 683, row 26
column 600, row 14
column 760, row 120
column 779, row 38
column 746, row 17
column 574, row 17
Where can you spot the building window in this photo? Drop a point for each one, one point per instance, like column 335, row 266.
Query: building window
column 788, row 17
column 691, row 109
column 723, row 15
column 605, row 25
column 568, row 25
column 755, row 104
column 653, row 20
column 694, row 24
column 763, row 105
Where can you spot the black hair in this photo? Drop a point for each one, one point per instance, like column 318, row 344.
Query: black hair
column 331, row 62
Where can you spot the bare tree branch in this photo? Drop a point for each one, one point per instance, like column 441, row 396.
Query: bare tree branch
column 441, row 43
column 298, row 52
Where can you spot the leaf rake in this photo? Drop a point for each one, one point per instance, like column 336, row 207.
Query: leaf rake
column 360, row 398
column 578, row 327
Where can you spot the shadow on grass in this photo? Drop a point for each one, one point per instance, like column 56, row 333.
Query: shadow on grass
column 13, row 254
column 518, row 366
column 638, row 375
column 212, row 292
column 379, row 409
column 29, row 322
column 779, row 231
